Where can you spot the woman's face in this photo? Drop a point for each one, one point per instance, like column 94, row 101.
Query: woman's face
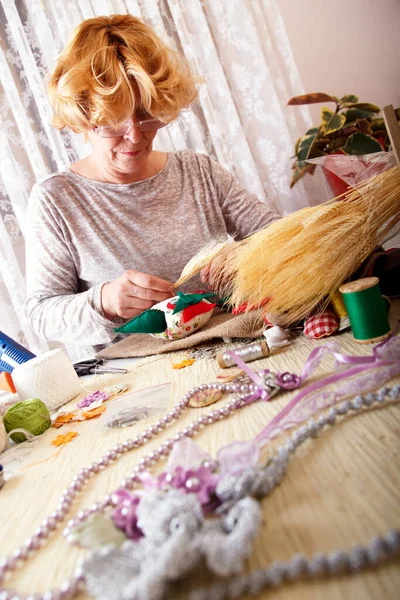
column 126, row 156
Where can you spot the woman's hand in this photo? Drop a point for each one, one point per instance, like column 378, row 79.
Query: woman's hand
column 132, row 293
column 211, row 273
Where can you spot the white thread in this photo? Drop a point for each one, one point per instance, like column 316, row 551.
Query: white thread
column 50, row 377
column 277, row 337
column 3, row 436
column 29, row 437
column 5, row 404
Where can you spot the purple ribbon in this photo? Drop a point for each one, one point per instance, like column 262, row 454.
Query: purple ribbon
column 287, row 381
column 358, row 364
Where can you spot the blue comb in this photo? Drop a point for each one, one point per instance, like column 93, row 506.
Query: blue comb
column 12, row 354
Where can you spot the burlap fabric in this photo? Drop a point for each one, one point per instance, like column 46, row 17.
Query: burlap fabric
column 221, row 325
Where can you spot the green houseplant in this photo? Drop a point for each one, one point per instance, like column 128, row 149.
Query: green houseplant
column 352, row 127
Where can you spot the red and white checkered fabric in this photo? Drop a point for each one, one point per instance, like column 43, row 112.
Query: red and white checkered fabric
column 321, row 325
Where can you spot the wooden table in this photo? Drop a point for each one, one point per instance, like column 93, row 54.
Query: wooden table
column 341, row 488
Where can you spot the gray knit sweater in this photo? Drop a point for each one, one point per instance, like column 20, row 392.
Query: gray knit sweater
column 83, row 233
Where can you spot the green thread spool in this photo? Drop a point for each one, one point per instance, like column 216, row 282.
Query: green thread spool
column 32, row 415
column 367, row 310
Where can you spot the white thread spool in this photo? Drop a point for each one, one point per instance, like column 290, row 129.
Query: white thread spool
column 277, row 337
column 3, row 436
column 50, row 377
column 246, row 353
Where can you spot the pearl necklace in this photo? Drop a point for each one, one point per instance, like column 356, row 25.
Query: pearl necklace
column 71, row 587
column 76, row 583
column 150, row 582
column 378, row 549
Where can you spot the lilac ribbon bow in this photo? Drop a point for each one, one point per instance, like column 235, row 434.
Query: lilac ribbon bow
column 268, row 383
column 385, row 358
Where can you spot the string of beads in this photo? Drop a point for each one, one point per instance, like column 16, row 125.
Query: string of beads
column 70, row 588
column 378, row 549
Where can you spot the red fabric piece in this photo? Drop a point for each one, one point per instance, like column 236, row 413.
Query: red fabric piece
column 319, row 326
column 267, row 323
column 190, row 312
column 246, row 306
column 239, row 309
column 171, row 304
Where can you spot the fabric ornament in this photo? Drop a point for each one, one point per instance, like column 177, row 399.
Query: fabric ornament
column 64, row 439
column 174, row 318
column 96, row 532
column 321, row 325
column 187, row 362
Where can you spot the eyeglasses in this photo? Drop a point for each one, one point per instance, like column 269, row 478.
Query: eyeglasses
column 105, row 131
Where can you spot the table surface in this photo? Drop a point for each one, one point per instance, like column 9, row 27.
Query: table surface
column 340, row 489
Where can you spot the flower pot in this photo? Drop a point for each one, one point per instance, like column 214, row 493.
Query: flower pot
column 336, row 184
column 343, row 172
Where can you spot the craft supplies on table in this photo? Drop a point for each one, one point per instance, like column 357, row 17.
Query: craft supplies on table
column 136, row 406
column 12, row 353
column 95, row 366
column 292, row 266
column 277, row 337
column 246, row 353
column 367, row 310
column 336, row 299
column 3, row 436
column 322, row 324
column 6, row 382
column 50, row 377
column 296, row 505
column 31, row 416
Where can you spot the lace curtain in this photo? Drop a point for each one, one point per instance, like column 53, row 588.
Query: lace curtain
column 240, row 49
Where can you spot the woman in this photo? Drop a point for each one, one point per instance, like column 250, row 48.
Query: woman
column 111, row 234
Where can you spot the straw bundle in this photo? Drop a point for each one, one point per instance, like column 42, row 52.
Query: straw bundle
column 298, row 261
column 201, row 259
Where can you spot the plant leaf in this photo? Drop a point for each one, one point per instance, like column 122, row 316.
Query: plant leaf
column 337, row 143
column 311, row 131
column 360, row 143
column 349, row 98
column 314, row 98
column 347, row 130
column 353, row 114
column 362, row 106
column 326, row 114
column 305, row 147
column 364, row 126
column 377, row 124
column 299, row 172
column 379, row 133
column 332, row 121
column 296, row 146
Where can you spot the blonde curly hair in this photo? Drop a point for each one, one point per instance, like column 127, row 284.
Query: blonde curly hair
column 111, row 66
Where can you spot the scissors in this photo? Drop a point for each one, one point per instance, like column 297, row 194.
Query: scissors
column 93, row 366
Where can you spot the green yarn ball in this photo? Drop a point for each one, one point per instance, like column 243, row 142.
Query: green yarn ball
column 32, row 415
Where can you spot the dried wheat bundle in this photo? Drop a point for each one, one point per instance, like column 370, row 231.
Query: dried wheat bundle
column 201, row 259
column 298, row 261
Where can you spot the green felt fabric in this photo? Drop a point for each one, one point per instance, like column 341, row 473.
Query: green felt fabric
column 149, row 321
column 189, row 299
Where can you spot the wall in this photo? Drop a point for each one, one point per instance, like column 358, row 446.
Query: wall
column 346, row 47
